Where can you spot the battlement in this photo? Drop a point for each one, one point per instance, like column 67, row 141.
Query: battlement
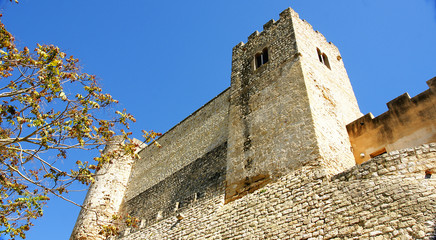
column 272, row 24
column 403, row 124
column 396, row 106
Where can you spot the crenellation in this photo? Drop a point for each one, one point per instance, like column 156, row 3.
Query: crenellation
column 253, row 35
column 269, row 25
column 287, row 13
column 408, row 122
column 432, row 84
column 400, row 102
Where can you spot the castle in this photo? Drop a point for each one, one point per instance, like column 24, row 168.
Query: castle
column 274, row 156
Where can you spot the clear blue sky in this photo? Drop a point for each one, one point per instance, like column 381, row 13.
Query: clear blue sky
column 164, row 59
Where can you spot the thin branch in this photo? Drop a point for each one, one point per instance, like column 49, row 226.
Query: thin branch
column 14, row 93
column 43, row 187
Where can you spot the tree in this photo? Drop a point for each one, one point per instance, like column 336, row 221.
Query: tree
column 48, row 108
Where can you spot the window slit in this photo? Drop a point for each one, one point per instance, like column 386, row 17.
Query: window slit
column 261, row 58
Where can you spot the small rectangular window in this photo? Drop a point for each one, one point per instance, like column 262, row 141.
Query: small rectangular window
column 319, row 54
column 326, row 60
column 258, row 60
column 261, row 58
column 265, row 55
column 322, row 57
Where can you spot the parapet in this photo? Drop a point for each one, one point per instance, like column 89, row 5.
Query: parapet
column 272, row 24
column 408, row 122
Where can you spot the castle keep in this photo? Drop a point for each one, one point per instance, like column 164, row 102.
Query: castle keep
column 272, row 157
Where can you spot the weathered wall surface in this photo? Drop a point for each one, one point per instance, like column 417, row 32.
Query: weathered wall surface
column 408, row 122
column 290, row 111
column 203, row 178
column 332, row 100
column 270, row 123
column 191, row 162
column 385, row 198
column 104, row 196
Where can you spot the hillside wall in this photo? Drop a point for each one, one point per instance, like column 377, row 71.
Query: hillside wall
column 385, row 198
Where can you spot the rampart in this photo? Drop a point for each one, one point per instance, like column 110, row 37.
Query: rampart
column 388, row 197
column 408, row 122
column 190, row 165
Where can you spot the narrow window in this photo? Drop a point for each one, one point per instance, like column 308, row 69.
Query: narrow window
column 265, row 56
column 261, row 58
column 326, row 60
column 322, row 57
column 258, row 60
column 319, row 54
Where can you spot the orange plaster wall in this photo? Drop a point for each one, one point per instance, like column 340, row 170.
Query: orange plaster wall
column 409, row 122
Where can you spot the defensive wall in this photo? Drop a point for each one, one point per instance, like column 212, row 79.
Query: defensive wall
column 271, row 158
column 387, row 197
column 408, row 122
column 190, row 165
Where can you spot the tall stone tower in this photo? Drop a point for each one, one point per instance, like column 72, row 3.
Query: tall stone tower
column 290, row 100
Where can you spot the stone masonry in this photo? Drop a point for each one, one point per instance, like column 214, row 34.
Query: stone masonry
column 385, row 198
column 408, row 122
column 104, row 197
column 271, row 158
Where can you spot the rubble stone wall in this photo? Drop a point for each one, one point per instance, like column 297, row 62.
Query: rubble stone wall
column 388, row 197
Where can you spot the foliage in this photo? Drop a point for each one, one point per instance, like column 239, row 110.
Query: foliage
column 48, row 109
column 118, row 222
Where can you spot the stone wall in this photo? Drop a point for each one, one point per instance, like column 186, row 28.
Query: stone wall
column 203, row 178
column 191, row 162
column 385, row 198
column 408, row 122
column 331, row 97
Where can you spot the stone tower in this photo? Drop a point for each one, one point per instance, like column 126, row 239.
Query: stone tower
column 105, row 195
column 290, row 100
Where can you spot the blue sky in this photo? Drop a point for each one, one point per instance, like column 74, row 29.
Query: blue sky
column 164, row 59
